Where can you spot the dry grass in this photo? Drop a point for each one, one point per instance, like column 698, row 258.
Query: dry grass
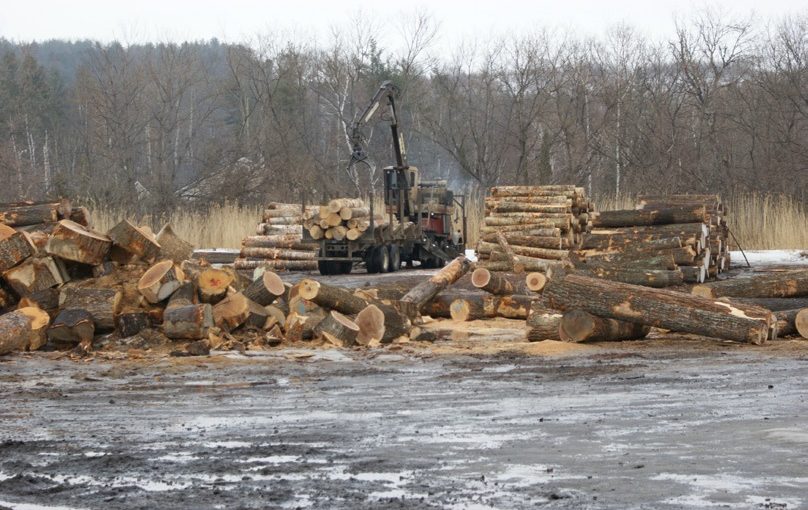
column 217, row 227
column 759, row 221
column 767, row 222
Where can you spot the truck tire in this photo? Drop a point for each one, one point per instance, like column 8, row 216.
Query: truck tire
column 345, row 267
column 325, row 267
column 383, row 257
column 395, row 258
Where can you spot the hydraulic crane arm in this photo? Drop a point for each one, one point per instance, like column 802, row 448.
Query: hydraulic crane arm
column 385, row 96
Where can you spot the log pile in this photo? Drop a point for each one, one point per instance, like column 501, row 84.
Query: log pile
column 348, row 219
column 531, row 228
column 664, row 242
column 278, row 244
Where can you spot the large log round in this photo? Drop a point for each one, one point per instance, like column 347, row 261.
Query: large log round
column 580, row 326
column 773, row 285
column 160, row 281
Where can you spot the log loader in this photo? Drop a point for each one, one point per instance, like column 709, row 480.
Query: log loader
column 419, row 213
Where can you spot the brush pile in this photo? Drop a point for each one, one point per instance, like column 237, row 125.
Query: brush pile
column 532, row 228
column 278, row 243
column 665, row 241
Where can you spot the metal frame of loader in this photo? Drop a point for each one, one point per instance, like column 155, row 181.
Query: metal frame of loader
column 383, row 251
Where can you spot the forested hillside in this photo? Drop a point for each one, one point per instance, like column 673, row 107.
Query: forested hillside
column 722, row 107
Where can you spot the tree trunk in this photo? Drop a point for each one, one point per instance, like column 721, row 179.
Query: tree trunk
column 659, row 308
column 552, row 242
column 535, row 282
column 103, row 304
column 484, row 306
column 529, row 263
column 72, row 326
column 527, row 207
column 80, row 215
column 428, row 289
column 527, row 221
column 71, row 241
column 188, row 322
column 35, row 275
column 773, row 304
column 288, row 265
column 231, row 312
column 14, row 247
column 801, row 322
column 287, row 241
column 634, row 217
column 172, row 246
column 132, row 323
column 773, row 285
column 135, row 240
column 693, row 274
column 580, row 326
column 371, row 325
column 18, row 215
column 542, row 324
column 335, row 205
column 258, row 316
column 338, row 329
column 543, row 229
column 22, row 329
column 266, row 289
column 277, row 253
column 213, row 284
column 492, row 282
column 693, row 234
column 625, row 261
column 343, row 301
column 160, row 281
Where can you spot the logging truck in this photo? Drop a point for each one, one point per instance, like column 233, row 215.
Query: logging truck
column 420, row 220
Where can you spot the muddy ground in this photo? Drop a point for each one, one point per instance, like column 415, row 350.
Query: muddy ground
column 477, row 420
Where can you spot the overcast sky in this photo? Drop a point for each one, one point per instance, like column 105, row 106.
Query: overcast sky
column 240, row 20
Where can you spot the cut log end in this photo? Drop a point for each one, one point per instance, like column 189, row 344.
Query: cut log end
column 535, row 282
column 801, row 322
column 371, row 325
column 160, row 281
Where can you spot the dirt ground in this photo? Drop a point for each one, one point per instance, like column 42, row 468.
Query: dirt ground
column 479, row 419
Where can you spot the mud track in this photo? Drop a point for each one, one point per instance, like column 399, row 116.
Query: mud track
column 667, row 426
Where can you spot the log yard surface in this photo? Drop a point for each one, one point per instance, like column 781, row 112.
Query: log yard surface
column 478, row 418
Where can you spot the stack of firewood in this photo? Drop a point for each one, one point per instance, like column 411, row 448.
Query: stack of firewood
column 278, row 243
column 531, row 228
column 662, row 243
column 718, row 237
column 57, row 284
column 346, row 218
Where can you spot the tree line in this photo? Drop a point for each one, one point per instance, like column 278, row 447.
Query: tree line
column 722, row 106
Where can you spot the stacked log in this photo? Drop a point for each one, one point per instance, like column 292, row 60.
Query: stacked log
column 346, row 219
column 278, row 244
column 531, row 228
column 665, row 241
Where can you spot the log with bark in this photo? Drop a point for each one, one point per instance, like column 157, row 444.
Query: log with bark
column 23, row 329
column 286, row 241
column 276, row 254
column 72, row 326
column 265, row 289
column 22, row 214
column 188, row 322
column 535, row 282
column 542, row 323
column 656, row 278
column 172, row 246
column 36, row 274
column 646, row 217
column 337, row 329
column 551, row 242
column 160, row 281
column 371, row 325
column 71, row 241
column 660, row 308
column 130, row 323
column 345, row 302
column 688, row 234
column 103, row 304
column 337, row 204
column 516, row 207
column 499, row 284
column 580, row 326
column 257, row 319
column 483, row 306
column 213, row 283
column 231, row 312
column 801, row 322
column 641, row 260
column 135, row 240
column 428, row 289
column 14, row 247
column 45, row 299
column 773, row 304
column 784, row 284
column 288, row 265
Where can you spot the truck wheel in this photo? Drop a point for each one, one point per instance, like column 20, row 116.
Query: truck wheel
column 382, row 255
column 324, row 266
column 395, row 258
column 370, row 262
column 345, row 267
